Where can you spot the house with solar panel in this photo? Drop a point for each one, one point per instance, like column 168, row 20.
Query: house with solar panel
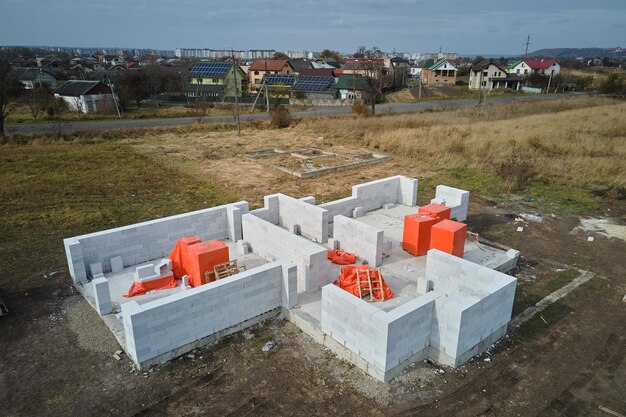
column 216, row 80
column 311, row 87
column 261, row 67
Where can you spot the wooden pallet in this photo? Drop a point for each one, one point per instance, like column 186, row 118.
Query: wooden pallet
column 366, row 284
column 227, row 269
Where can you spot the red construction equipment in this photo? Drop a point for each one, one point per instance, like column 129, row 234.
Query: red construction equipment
column 139, row 288
column 363, row 280
column 341, row 257
column 201, row 260
column 449, row 236
column 179, row 255
column 438, row 210
column 416, row 235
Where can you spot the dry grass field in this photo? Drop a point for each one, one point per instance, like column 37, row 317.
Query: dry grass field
column 558, row 160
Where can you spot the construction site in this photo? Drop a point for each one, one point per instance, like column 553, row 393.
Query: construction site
column 423, row 288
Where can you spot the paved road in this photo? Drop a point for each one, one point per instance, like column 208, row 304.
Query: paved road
column 40, row 128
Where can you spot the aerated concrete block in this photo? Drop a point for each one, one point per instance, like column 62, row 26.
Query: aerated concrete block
column 358, row 212
column 117, row 264
column 333, row 244
column 243, row 248
column 102, row 296
column 95, row 268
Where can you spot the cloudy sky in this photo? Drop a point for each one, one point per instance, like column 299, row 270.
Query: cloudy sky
column 468, row 27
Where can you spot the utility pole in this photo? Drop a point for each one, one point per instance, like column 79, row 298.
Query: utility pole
column 232, row 55
column 527, row 44
column 549, row 81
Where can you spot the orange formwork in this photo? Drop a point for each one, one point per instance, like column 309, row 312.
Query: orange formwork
column 438, row 210
column 416, row 234
column 449, row 236
column 202, row 258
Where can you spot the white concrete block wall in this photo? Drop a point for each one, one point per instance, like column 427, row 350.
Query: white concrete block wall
column 409, row 328
column 362, row 239
column 486, row 316
column 159, row 326
column 146, row 241
column 384, row 339
column 456, row 199
column 372, row 195
column 355, row 324
column 75, row 261
column 275, row 243
column 313, row 220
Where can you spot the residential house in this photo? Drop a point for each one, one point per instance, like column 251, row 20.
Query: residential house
column 215, row 80
column 441, row 72
column 490, row 76
column 351, row 87
column 49, row 62
column 314, row 88
column 526, row 67
column 320, row 72
column 260, row 67
column 87, row 96
column 374, row 68
column 299, row 64
column 35, row 77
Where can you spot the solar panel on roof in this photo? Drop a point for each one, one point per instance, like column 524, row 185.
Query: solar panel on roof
column 285, row 79
column 210, row 69
column 314, row 83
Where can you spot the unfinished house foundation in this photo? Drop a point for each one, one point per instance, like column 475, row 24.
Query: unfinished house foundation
column 444, row 307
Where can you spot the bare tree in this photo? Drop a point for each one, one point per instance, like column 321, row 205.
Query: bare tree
column 37, row 100
column 372, row 72
column 10, row 89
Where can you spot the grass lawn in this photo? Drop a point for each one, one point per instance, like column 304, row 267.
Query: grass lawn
column 50, row 192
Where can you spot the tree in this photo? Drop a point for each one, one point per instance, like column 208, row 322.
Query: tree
column 372, row 72
column 279, row 55
column 37, row 100
column 327, row 54
column 131, row 86
column 478, row 60
column 10, row 89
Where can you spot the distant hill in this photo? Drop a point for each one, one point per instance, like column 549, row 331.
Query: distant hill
column 580, row 52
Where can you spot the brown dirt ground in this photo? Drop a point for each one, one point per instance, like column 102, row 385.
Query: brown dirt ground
column 55, row 352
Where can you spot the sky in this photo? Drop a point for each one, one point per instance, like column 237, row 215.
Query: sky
column 469, row 27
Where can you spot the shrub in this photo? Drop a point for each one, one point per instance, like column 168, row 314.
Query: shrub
column 361, row 109
column 280, row 117
column 516, row 173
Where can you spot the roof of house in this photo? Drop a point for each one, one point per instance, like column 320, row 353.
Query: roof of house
column 439, row 63
column 210, row 69
column 269, row 65
column 81, row 87
column 300, row 64
column 426, row 64
column 540, row 63
column 399, row 59
column 28, row 74
column 328, row 72
column 313, row 83
column 514, row 64
column 482, row 65
column 351, row 82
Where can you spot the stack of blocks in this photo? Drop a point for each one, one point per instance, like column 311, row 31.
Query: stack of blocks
column 449, row 236
column 417, row 231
